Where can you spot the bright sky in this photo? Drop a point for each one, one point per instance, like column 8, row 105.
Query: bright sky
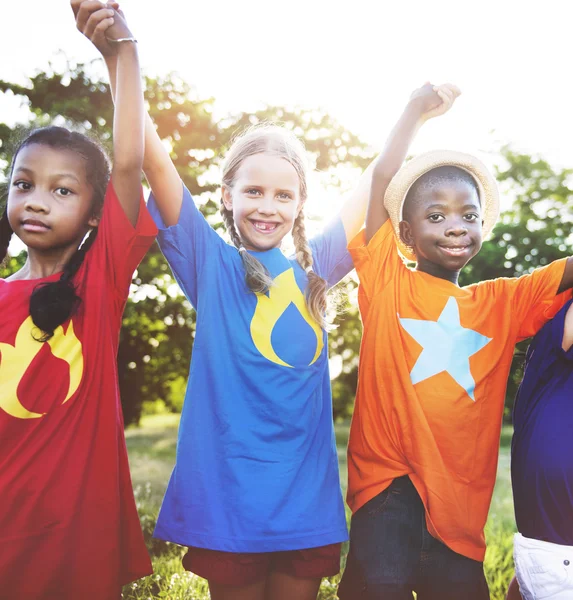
column 358, row 60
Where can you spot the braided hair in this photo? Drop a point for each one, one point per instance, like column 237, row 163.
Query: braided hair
column 53, row 303
column 276, row 141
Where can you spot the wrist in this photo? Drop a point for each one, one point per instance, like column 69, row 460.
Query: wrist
column 129, row 48
column 413, row 111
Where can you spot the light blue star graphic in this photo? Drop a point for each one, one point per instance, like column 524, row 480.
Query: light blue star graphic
column 447, row 346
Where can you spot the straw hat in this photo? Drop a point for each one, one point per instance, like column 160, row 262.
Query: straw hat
column 411, row 171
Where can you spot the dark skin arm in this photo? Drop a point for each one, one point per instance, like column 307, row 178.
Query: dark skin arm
column 158, row 167
column 128, row 122
column 567, row 279
column 513, row 591
column 426, row 102
column 157, row 164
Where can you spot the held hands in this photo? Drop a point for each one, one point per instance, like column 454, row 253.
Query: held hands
column 101, row 24
column 433, row 100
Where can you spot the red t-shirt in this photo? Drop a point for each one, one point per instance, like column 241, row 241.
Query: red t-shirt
column 433, row 371
column 69, row 528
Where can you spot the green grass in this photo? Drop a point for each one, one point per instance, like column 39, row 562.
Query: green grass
column 152, row 455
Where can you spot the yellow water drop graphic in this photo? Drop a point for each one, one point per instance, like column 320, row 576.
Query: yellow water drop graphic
column 269, row 310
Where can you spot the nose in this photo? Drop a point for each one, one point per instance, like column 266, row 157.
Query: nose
column 268, row 205
column 36, row 201
column 457, row 228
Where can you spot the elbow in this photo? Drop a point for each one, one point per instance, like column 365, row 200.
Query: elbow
column 129, row 165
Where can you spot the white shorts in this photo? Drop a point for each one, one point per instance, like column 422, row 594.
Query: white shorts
column 543, row 569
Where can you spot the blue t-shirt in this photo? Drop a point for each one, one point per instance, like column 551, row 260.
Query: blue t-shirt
column 256, row 467
column 542, row 447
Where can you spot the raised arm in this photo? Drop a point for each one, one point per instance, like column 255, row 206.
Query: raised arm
column 128, row 124
column 158, row 167
column 426, row 102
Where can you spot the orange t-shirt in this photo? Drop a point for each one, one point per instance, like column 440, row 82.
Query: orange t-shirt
column 434, row 363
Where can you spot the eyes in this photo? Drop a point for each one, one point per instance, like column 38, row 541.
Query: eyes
column 23, row 186
column 439, row 218
column 282, row 196
column 26, row 186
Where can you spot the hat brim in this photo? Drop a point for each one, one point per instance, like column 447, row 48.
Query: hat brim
column 413, row 170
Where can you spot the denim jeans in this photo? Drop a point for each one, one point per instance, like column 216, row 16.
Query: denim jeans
column 392, row 554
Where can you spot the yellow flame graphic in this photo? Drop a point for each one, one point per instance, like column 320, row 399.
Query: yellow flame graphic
column 15, row 360
column 269, row 310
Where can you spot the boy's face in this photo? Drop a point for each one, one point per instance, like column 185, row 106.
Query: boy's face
column 443, row 223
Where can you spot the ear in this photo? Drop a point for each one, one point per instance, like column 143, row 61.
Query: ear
column 94, row 220
column 227, row 197
column 406, row 233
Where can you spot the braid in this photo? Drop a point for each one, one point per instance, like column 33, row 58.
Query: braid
column 317, row 286
column 53, row 303
column 230, row 226
column 5, row 235
column 257, row 276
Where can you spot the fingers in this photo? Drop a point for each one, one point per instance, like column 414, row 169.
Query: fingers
column 85, row 9
column 451, row 88
column 75, row 4
column 454, row 88
column 98, row 35
column 97, row 21
column 446, row 99
column 445, row 92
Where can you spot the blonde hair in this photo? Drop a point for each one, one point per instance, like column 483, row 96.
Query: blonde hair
column 275, row 141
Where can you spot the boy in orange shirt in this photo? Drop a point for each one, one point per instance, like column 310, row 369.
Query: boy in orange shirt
column 434, row 362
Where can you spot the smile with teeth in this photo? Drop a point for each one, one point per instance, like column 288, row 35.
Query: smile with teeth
column 264, row 226
column 454, row 250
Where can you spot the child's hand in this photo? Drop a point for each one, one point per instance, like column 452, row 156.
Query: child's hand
column 433, row 100
column 101, row 24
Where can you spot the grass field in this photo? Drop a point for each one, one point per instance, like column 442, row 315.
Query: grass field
column 152, row 455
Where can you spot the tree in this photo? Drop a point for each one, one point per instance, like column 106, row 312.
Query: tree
column 158, row 323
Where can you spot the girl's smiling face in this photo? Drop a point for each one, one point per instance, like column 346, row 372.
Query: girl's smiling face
column 443, row 223
column 265, row 200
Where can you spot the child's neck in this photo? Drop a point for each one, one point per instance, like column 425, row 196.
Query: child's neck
column 41, row 265
column 438, row 271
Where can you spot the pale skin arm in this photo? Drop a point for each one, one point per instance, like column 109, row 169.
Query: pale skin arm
column 425, row 103
column 128, row 124
column 158, row 167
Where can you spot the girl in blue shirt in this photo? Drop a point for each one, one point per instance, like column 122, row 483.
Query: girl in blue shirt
column 255, row 492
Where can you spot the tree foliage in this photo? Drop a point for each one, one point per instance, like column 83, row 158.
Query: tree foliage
column 159, row 324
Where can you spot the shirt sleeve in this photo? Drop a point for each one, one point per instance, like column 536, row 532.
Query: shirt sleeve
column 331, row 258
column 188, row 244
column 533, row 298
column 377, row 261
column 119, row 244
